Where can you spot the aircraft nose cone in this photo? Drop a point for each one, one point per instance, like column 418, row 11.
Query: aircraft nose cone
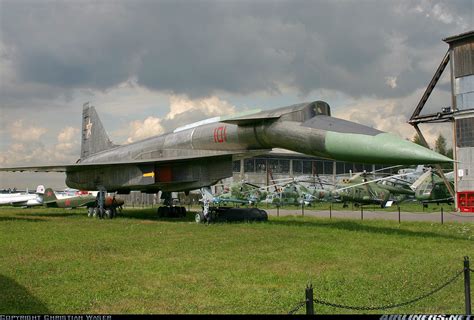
column 383, row 148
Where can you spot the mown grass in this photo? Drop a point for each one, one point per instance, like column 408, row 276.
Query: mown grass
column 60, row 261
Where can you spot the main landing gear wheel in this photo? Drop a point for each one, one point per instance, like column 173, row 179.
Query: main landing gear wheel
column 199, row 218
column 222, row 214
column 90, row 212
column 171, row 212
column 108, row 213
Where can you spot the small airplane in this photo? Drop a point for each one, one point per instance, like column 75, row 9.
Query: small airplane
column 200, row 154
column 111, row 204
column 19, row 199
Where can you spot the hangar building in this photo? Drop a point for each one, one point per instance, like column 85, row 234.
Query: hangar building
column 461, row 54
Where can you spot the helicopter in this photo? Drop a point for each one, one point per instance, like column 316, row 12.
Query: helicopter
column 430, row 188
column 360, row 190
column 241, row 192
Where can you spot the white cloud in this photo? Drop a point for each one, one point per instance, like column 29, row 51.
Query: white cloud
column 210, row 106
column 438, row 11
column 139, row 130
column 391, row 115
column 21, row 132
column 182, row 110
column 442, row 14
column 26, row 147
column 391, row 82
column 68, row 134
column 67, row 148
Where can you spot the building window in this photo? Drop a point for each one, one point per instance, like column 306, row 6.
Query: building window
column 340, row 168
column 284, row 166
column 307, row 167
column 358, row 167
column 249, row 165
column 328, row 167
column 297, row 167
column 318, row 167
column 279, row 166
column 260, row 165
column 465, row 132
column 236, row 166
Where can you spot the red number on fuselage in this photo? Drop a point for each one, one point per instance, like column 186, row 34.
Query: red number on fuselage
column 220, row 134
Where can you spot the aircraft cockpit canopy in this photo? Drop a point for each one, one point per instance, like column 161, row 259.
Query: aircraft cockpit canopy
column 305, row 111
column 320, row 108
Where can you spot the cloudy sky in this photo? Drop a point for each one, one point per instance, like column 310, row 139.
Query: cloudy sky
column 149, row 66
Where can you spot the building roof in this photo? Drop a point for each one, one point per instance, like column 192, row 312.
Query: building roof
column 459, row 37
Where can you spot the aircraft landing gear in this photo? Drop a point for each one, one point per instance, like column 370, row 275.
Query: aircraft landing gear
column 100, row 210
column 169, row 210
column 199, row 217
column 221, row 214
column 212, row 214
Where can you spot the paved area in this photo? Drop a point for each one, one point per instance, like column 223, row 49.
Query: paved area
column 369, row 214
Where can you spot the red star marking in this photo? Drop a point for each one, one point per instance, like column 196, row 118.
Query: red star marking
column 67, row 202
column 49, row 193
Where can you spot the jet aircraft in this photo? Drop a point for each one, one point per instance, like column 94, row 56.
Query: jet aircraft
column 200, row 154
column 19, row 199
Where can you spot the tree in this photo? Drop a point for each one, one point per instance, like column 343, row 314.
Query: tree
column 449, row 153
column 440, row 145
column 417, row 139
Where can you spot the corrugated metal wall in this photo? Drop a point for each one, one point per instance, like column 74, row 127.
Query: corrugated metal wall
column 463, row 58
column 463, row 69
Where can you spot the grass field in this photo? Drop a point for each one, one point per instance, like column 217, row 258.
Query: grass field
column 60, row 261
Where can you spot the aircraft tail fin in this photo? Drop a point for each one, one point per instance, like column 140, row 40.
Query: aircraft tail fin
column 94, row 137
column 40, row 189
column 49, row 196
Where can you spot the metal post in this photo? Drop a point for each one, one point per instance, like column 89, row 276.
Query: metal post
column 467, row 285
column 399, row 215
column 330, row 211
column 309, row 299
column 278, row 210
column 302, row 208
column 442, row 215
column 361, row 213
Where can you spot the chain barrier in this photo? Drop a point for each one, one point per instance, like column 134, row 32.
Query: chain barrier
column 391, row 306
column 295, row 309
column 384, row 307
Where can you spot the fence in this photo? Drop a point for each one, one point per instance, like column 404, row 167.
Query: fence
column 364, row 213
column 466, row 270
